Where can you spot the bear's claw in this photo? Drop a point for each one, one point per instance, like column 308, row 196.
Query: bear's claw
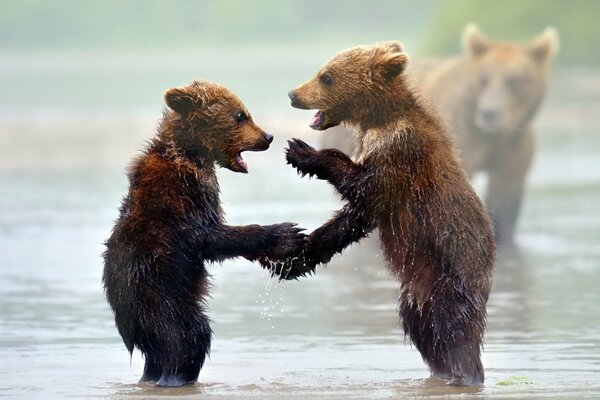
column 287, row 241
column 300, row 156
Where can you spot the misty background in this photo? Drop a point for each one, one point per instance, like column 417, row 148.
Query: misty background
column 103, row 61
column 118, row 56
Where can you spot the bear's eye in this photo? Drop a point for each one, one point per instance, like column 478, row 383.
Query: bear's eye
column 326, row 79
column 240, row 117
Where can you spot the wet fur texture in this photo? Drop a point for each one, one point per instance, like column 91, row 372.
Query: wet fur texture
column 407, row 181
column 171, row 223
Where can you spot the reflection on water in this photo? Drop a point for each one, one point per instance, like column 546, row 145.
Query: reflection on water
column 335, row 334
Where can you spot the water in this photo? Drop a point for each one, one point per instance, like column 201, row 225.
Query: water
column 334, row 335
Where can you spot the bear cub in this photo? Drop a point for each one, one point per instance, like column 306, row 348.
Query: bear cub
column 406, row 180
column 171, row 223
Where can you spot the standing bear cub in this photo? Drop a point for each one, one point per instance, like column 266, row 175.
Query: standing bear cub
column 171, row 223
column 406, row 180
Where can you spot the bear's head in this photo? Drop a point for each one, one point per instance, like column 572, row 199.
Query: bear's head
column 352, row 85
column 505, row 82
column 210, row 120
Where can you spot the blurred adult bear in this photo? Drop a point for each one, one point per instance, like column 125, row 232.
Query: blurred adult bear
column 490, row 96
column 407, row 181
column 171, row 223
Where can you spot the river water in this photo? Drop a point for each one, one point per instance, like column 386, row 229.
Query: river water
column 333, row 335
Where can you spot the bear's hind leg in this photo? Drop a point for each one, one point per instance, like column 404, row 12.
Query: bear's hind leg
column 417, row 328
column 188, row 356
column 456, row 325
column 152, row 371
column 467, row 369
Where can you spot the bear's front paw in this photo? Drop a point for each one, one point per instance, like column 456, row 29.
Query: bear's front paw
column 297, row 267
column 288, row 240
column 289, row 269
column 302, row 156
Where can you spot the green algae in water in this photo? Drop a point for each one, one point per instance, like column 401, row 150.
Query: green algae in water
column 514, row 380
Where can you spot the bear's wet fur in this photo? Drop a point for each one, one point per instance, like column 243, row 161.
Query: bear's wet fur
column 171, row 223
column 406, row 180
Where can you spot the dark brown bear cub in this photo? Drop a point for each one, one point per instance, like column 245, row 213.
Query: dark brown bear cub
column 406, row 180
column 171, row 223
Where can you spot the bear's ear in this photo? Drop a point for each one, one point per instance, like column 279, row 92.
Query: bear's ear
column 181, row 101
column 545, row 46
column 393, row 46
column 390, row 65
column 474, row 42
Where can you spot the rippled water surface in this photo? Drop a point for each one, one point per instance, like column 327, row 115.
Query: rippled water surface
column 334, row 335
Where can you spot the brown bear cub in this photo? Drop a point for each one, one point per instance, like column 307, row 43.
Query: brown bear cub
column 171, row 223
column 406, row 179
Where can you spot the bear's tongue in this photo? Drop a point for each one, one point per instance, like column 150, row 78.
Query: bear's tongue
column 317, row 120
column 242, row 163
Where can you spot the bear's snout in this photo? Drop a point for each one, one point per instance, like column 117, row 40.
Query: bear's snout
column 261, row 143
column 264, row 142
column 295, row 100
column 268, row 138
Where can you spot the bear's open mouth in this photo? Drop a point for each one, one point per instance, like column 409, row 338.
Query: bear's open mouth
column 317, row 120
column 241, row 163
column 322, row 121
